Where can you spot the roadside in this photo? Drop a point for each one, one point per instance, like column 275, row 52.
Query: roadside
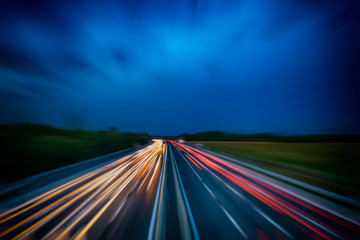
column 29, row 149
column 330, row 166
column 13, row 194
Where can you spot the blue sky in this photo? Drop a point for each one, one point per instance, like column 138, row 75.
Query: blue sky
column 169, row 67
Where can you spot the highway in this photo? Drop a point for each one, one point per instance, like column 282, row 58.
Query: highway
column 169, row 190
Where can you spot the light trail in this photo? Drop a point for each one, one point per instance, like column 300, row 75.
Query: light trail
column 323, row 222
column 173, row 191
column 87, row 197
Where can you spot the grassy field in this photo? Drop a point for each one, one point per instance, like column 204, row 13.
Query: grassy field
column 338, row 164
column 29, row 149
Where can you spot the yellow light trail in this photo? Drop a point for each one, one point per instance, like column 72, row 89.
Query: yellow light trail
column 85, row 199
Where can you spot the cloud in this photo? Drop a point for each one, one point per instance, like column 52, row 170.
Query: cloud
column 111, row 60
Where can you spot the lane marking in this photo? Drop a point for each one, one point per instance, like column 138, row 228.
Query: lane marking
column 272, row 222
column 298, row 183
column 191, row 218
column 233, row 221
column 181, row 207
column 216, row 201
column 156, row 205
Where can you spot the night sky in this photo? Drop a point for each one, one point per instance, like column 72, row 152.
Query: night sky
column 169, row 67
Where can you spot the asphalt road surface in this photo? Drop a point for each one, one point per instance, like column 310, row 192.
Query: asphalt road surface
column 174, row 191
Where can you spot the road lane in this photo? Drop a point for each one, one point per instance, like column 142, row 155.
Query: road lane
column 174, row 191
column 85, row 207
column 212, row 217
column 291, row 215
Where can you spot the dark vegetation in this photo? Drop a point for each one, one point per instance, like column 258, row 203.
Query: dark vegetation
column 267, row 137
column 28, row 149
column 328, row 161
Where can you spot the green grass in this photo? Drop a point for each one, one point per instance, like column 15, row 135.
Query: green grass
column 336, row 161
column 30, row 149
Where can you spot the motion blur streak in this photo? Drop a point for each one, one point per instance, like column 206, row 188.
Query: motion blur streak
column 89, row 202
column 170, row 190
column 306, row 216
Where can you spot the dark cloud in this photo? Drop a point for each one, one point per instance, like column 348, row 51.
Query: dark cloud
column 28, row 66
column 279, row 25
column 73, row 62
column 347, row 18
column 121, row 56
column 38, row 90
column 20, row 62
column 181, row 66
